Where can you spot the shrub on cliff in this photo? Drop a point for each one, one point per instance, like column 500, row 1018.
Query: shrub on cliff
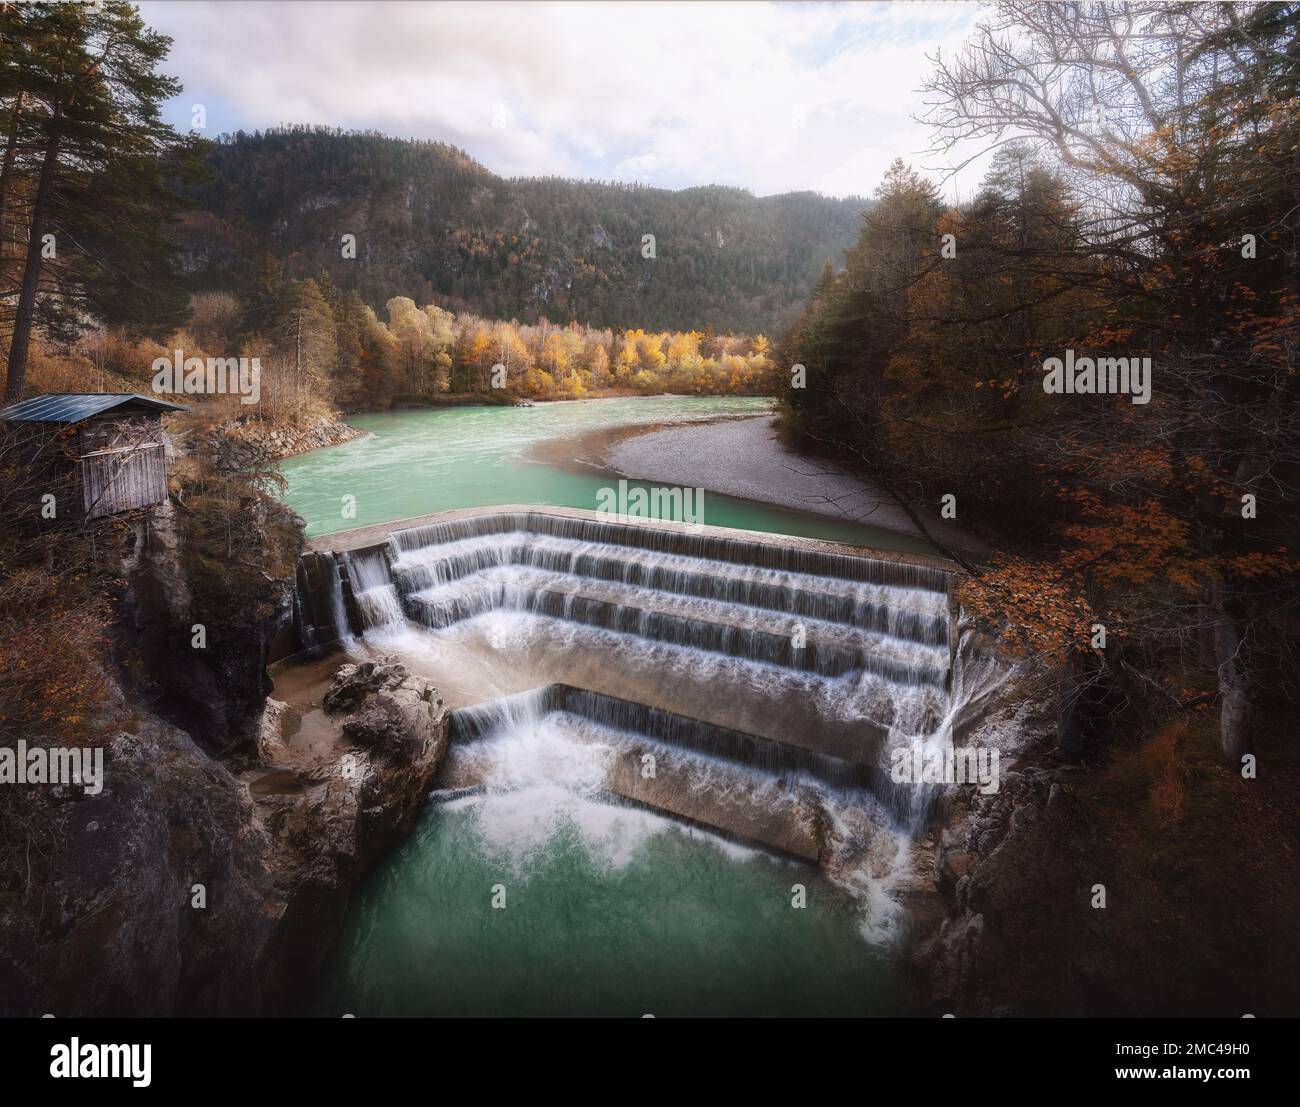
column 52, row 574
column 240, row 542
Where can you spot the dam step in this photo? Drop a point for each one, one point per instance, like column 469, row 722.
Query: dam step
column 447, row 603
column 811, row 646
column 785, row 832
column 790, row 641
column 740, row 786
column 731, row 581
column 914, row 614
column 707, row 543
column 645, row 724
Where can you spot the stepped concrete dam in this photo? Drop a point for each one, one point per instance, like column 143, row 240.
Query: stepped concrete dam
column 747, row 682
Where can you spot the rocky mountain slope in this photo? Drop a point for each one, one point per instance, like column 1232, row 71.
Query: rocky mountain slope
column 430, row 223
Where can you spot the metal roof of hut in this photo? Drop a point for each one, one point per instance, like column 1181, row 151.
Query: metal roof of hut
column 73, row 407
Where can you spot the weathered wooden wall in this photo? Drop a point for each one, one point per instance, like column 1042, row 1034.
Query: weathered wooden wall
column 122, row 479
column 123, row 464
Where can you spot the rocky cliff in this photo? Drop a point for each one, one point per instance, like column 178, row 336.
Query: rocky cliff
column 212, row 872
column 202, row 650
column 1115, row 887
column 1002, row 883
column 1001, row 914
column 183, row 889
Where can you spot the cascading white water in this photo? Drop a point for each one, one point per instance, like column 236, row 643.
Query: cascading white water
column 430, row 572
column 797, row 614
column 564, row 747
column 376, row 597
column 799, row 651
column 338, row 609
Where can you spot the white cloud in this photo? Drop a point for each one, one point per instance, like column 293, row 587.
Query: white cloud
column 768, row 97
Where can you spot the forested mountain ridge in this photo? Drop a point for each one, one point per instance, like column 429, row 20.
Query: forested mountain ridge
column 433, row 224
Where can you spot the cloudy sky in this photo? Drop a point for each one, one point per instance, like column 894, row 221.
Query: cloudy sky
column 770, row 97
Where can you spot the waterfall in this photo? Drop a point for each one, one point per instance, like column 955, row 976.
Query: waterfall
column 777, row 678
column 378, row 603
column 437, row 566
column 790, row 606
column 306, row 631
column 338, row 609
column 864, row 639
column 612, row 713
column 805, row 609
column 470, row 723
column 743, row 551
column 849, row 818
column 908, row 805
column 772, row 640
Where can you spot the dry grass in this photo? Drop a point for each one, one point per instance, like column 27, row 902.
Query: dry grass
column 51, row 638
column 1167, row 773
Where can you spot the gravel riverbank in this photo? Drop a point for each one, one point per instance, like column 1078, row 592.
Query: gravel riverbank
column 744, row 458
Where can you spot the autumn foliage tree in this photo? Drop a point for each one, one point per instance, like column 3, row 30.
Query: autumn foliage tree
column 1125, row 214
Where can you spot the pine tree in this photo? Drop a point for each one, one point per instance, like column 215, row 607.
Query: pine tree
column 91, row 96
column 307, row 338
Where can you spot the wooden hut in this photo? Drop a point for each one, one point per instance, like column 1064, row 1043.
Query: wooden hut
column 112, row 443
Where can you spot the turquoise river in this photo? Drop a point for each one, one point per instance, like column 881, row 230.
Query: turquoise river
column 418, row 462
